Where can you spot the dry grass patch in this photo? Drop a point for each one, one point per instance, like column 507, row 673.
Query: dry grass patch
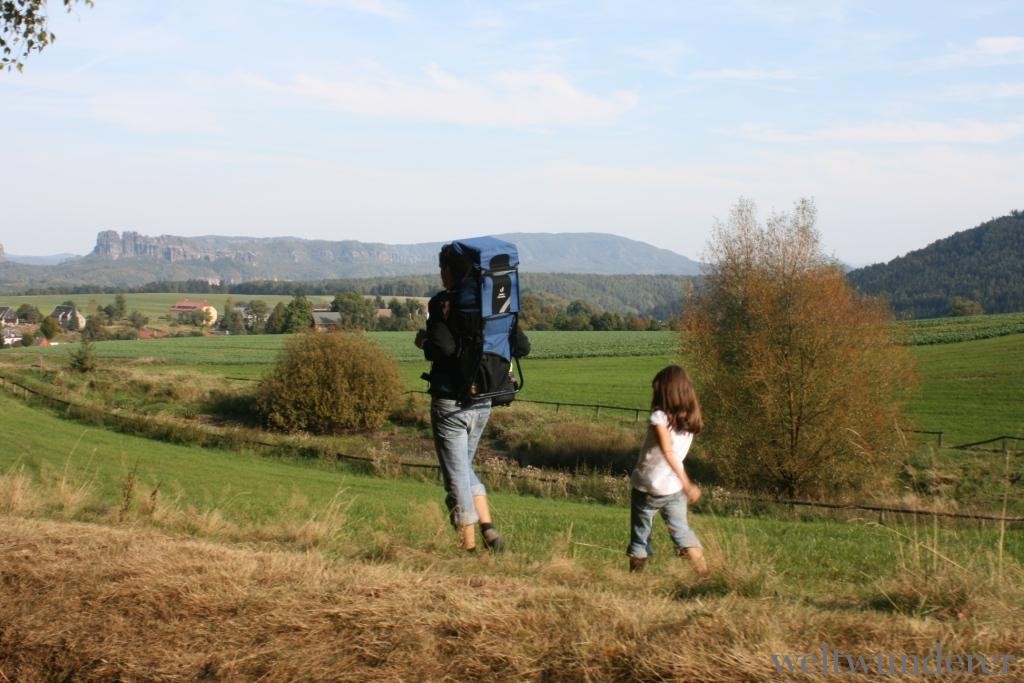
column 929, row 583
column 539, row 437
column 16, row 496
column 85, row 602
column 734, row 569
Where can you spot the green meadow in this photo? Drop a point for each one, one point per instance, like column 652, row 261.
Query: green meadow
column 811, row 557
column 971, row 390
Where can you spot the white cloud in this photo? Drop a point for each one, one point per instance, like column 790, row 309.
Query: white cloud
column 984, row 91
column 661, row 57
column 155, row 113
column 1005, row 45
column 792, row 11
column 910, row 132
column 744, row 75
column 387, row 9
column 488, row 21
column 510, row 99
column 983, row 52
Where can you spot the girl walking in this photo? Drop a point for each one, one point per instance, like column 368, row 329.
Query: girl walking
column 659, row 482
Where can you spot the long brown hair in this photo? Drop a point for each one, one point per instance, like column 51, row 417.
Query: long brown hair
column 675, row 396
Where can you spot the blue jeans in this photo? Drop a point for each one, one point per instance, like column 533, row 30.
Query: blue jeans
column 457, row 430
column 642, row 507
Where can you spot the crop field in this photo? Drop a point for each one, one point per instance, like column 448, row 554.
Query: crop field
column 155, row 306
column 970, row 390
column 608, row 368
column 960, row 329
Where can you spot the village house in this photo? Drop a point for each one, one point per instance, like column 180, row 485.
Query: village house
column 65, row 314
column 8, row 316
column 11, row 336
column 186, row 311
column 246, row 314
column 326, row 321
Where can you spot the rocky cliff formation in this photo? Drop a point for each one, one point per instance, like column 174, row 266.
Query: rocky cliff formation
column 111, row 245
column 237, row 259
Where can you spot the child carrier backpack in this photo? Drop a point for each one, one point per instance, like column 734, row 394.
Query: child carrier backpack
column 483, row 318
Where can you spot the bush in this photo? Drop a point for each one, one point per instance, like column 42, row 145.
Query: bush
column 49, row 328
column 325, row 383
column 83, row 359
column 801, row 379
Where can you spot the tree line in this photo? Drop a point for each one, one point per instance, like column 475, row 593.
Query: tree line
column 648, row 296
column 358, row 312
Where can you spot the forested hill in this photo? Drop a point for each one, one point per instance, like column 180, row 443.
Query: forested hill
column 984, row 265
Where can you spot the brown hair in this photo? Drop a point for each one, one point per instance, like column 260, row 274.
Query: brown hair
column 675, row 396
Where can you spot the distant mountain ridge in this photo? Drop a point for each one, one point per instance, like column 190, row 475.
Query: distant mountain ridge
column 539, row 252
column 984, row 264
column 130, row 259
column 37, row 260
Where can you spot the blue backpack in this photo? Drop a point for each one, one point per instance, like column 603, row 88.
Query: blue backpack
column 484, row 316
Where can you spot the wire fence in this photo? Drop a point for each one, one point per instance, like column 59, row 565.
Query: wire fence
column 24, row 392
column 1004, row 439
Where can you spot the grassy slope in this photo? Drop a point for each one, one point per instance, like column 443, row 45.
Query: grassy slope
column 251, row 489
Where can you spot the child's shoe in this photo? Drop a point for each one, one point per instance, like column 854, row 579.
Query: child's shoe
column 636, row 564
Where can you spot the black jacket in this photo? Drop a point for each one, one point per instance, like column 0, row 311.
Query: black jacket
column 441, row 348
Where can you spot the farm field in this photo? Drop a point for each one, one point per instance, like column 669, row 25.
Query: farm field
column 154, row 305
column 971, row 390
column 960, row 329
column 585, row 367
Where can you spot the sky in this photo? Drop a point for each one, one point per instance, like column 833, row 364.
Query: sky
column 399, row 122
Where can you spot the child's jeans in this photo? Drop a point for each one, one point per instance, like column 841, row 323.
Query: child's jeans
column 641, row 517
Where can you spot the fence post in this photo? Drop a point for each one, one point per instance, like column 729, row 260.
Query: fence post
column 940, row 439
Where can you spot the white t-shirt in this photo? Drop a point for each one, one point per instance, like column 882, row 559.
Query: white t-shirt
column 652, row 473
